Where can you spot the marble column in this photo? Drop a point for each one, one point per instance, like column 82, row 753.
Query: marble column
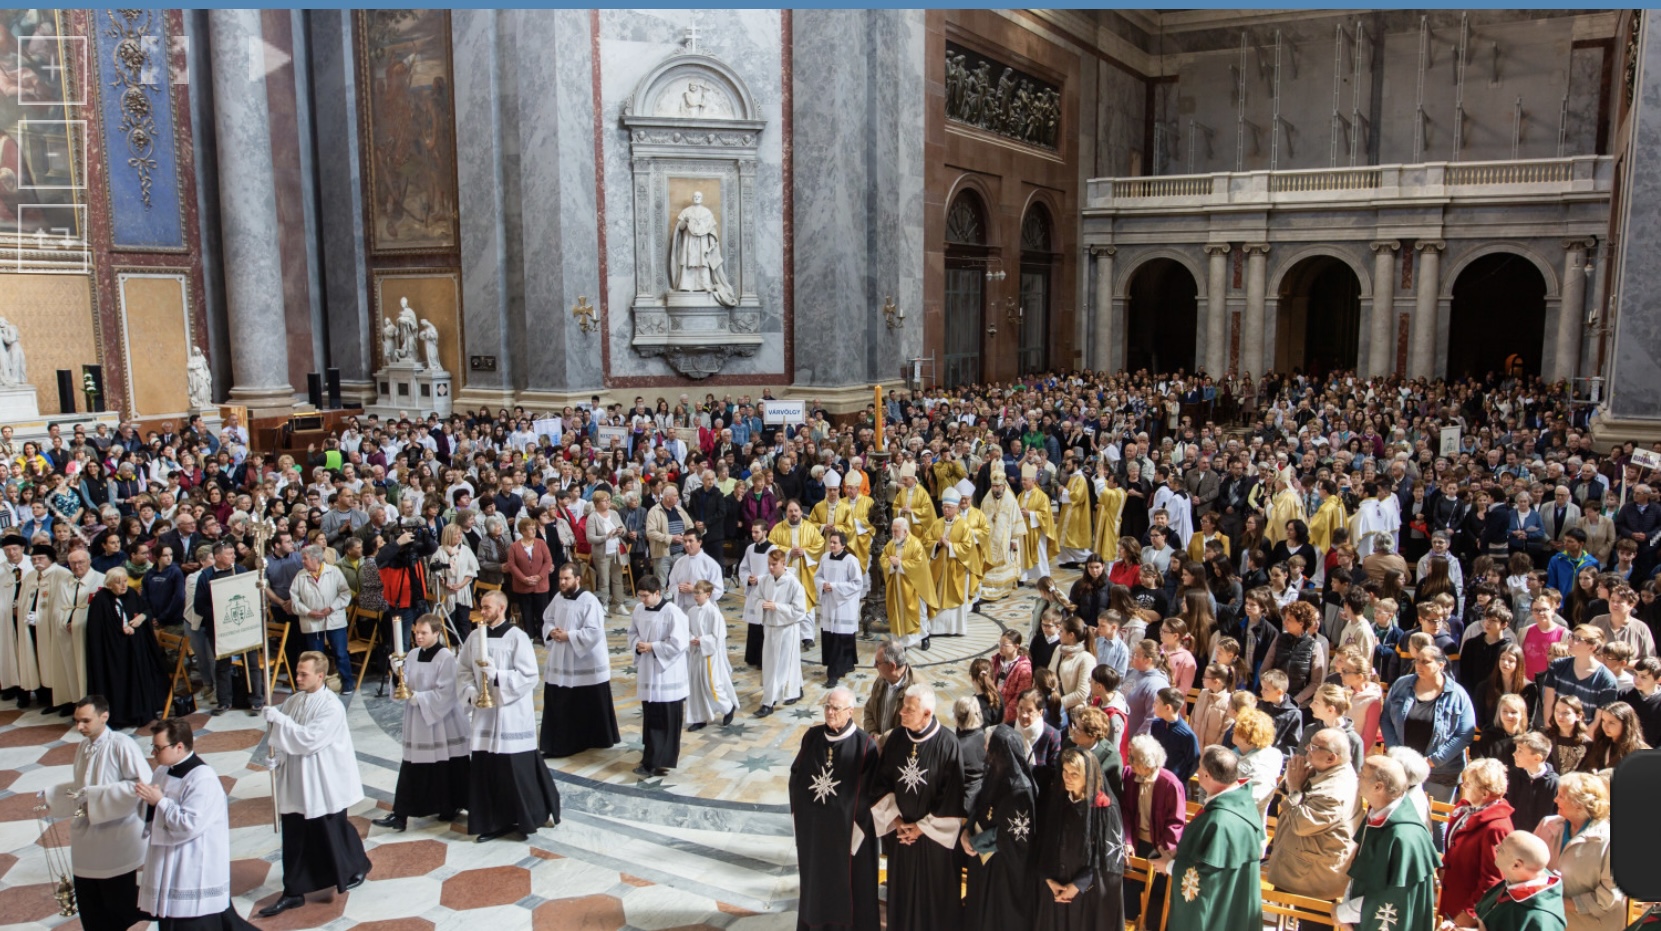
column 1216, row 309
column 1102, row 356
column 1381, row 344
column 351, row 334
column 1251, row 328
column 248, row 216
column 1427, row 281
column 1571, row 312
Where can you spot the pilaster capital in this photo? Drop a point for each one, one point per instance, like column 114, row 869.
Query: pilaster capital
column 1256, row 248
column 1431, row 245
column 1103, row 250
column 1582, row 244
column 1218, row 248
column 1384, row 245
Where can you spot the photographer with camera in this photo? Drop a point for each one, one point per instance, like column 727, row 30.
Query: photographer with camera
column 402, row 563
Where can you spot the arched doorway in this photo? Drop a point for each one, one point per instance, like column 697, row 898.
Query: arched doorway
column 1038, row 256
column 1318, row 327
column 1498, row 319
column 965, row 289
column 1161, row 317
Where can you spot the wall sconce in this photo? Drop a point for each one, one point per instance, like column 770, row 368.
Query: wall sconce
column 991, row 329
column 583, row 312
column 892, row 314
column 994, row 270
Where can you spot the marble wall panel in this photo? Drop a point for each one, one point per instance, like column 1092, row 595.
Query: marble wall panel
column 340, row 188
column 156, row 336
column 53, row 316
column 486, row 256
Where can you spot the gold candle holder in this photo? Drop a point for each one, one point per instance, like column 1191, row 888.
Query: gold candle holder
column 401, row 692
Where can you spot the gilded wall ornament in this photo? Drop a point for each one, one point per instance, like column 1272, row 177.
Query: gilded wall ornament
column 134, row 32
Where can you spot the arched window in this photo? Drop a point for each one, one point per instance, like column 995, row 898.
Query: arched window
column 965, row 288
column 1038, row 255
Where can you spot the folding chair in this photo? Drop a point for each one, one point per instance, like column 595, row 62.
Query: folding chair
column 586, row 561
column 1290, row 911
column 1138, row 869
column 356, row 642
column 276, row 634
column 179, row 643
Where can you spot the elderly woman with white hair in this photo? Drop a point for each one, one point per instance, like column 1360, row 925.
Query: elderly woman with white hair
column 124, row 662
column 493, row 549
column 320, row 595
column 1578, row 837
column 1156, row 808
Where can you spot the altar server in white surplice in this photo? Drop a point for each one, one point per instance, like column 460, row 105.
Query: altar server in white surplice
column 106, row 837
column 186, row 882
column 712, row 694
column 577, row 710
column 511, row 790
column 783, row 605
column 752, row 568
column 688, row 571
column 317, row 781
column 658, row 638
column 841, row 584
column 433, row 777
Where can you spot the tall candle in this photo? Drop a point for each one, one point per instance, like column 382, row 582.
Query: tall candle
column 879, row 417
column 397, row 635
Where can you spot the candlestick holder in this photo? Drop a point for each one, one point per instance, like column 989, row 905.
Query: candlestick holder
column 401, row 692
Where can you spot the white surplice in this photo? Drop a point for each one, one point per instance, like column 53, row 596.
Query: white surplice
column 13, row 652
column 510, row 727
column 781, row 650
column 435, row 729
column 1375, row 516
column 317, row 767
column 37, row 601
column 839, row 607
column 106, row 839
column 754, row 563
column 583, row 659
column 661, row 674
column 711, row 692
column 691, row 569
column 69, row 635
column 187, row 868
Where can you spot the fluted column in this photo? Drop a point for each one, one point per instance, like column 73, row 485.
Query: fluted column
column 1427, row 282
column 1216, row 309
column 1102, row 356
column 248, row 216
column 1251, row 329
column 1381, row 345
column 1572, row 311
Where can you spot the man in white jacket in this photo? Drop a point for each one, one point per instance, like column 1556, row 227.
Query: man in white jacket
column 317, row 781
column 106, row 835
column 320, row 594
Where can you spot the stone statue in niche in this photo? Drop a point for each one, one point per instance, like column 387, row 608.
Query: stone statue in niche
column 695, row 255
column 429, row 346
column 692, row 99
column 14, row 369
column 389, row 341
column 199, row 380
column 408, row 326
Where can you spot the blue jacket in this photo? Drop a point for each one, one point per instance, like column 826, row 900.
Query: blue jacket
column 1532, row 526
column 1182, row 748
column 1453, row 726
column 164, row 592
column 1562, row 569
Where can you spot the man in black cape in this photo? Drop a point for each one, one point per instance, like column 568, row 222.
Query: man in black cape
column 830, row 802
column 920, row 802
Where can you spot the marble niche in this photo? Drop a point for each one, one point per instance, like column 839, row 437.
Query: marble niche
column 693, row 131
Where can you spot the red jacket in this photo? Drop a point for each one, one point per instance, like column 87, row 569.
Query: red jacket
column 1018, row 681
column 1468, row 868
column 539, row 563
column 1170, row 808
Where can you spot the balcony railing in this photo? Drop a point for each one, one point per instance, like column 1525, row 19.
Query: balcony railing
column 1581, row 177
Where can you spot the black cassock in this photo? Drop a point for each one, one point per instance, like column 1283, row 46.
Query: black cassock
column 129, row 670
column 921, row 776
column 1004, row 813
column 830, row 795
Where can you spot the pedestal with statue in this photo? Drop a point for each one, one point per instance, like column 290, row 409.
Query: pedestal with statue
column 411, row 381
column 18, row 400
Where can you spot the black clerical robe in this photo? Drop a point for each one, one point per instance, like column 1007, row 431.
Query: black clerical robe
column 830, row 802
column 920, row 781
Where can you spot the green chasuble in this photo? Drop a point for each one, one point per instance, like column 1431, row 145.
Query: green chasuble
column 1216, row 878
column 1394, row 873
column 1502, row 909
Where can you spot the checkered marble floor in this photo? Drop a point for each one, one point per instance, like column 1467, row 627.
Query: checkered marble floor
column 708, row 847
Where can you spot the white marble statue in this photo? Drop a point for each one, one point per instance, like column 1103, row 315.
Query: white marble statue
column 389, row 341
column 407, row 331
column 14, row 369
column 429, row 346
column 199, row 378
column 695, row 254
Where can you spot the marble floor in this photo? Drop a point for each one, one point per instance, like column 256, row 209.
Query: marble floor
column 709, row 846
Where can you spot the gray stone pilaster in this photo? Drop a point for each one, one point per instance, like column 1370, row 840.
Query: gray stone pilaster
column 351, row 335
column 1633, row 373
column 1427, row 284
column 1571, row 313
column 1381, row 345
column 248, row 215
column 1253, row 342
column 1102, row 358
column 1216, row 308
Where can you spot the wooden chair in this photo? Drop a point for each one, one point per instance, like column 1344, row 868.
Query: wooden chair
column 1138, row 869
column 276, row 634
column 1290, row 911
column 179, row 643
column 480, row 587
column 586, row 561
column 1439, row 811
column 356, row 642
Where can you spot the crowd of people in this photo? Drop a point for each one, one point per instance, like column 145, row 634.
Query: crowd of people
column 1300, row 602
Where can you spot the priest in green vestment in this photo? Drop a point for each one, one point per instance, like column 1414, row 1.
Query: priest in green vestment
column 1528, row 896
column 1393, row 875
column 1216, row 879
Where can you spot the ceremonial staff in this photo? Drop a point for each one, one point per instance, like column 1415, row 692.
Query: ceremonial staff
column 263, row 530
